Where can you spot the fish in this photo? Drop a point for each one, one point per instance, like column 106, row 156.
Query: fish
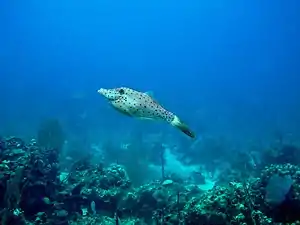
column 142, row 105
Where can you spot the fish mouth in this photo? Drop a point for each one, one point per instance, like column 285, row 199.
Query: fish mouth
column 101, row 91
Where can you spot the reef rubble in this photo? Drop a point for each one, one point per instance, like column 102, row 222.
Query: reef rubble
column 34, row 190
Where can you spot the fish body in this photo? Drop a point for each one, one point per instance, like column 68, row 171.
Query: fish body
column 141, row 105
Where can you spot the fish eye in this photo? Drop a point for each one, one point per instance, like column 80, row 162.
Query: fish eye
column 121, row 91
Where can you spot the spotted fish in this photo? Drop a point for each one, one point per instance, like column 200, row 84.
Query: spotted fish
column 141, row 105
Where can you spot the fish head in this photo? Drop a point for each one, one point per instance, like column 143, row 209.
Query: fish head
column 113, row 94
column 120, row 98
column 129, row 101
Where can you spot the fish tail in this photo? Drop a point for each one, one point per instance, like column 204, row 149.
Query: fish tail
column 176, row 122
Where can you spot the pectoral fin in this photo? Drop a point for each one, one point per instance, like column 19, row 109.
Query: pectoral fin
column 123, row 112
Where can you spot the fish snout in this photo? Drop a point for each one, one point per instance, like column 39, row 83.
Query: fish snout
column 101, row 91
column 107, row 93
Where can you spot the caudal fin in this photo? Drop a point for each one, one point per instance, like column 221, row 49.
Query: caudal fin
column 183, row 127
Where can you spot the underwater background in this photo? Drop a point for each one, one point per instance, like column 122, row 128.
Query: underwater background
column 229, row 69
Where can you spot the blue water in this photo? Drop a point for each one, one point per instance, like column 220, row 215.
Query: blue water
column 230, row 69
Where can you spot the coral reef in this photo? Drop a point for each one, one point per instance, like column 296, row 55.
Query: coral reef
column 34, row 190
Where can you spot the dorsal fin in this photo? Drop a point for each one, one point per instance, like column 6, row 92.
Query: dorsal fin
column 151, row 95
